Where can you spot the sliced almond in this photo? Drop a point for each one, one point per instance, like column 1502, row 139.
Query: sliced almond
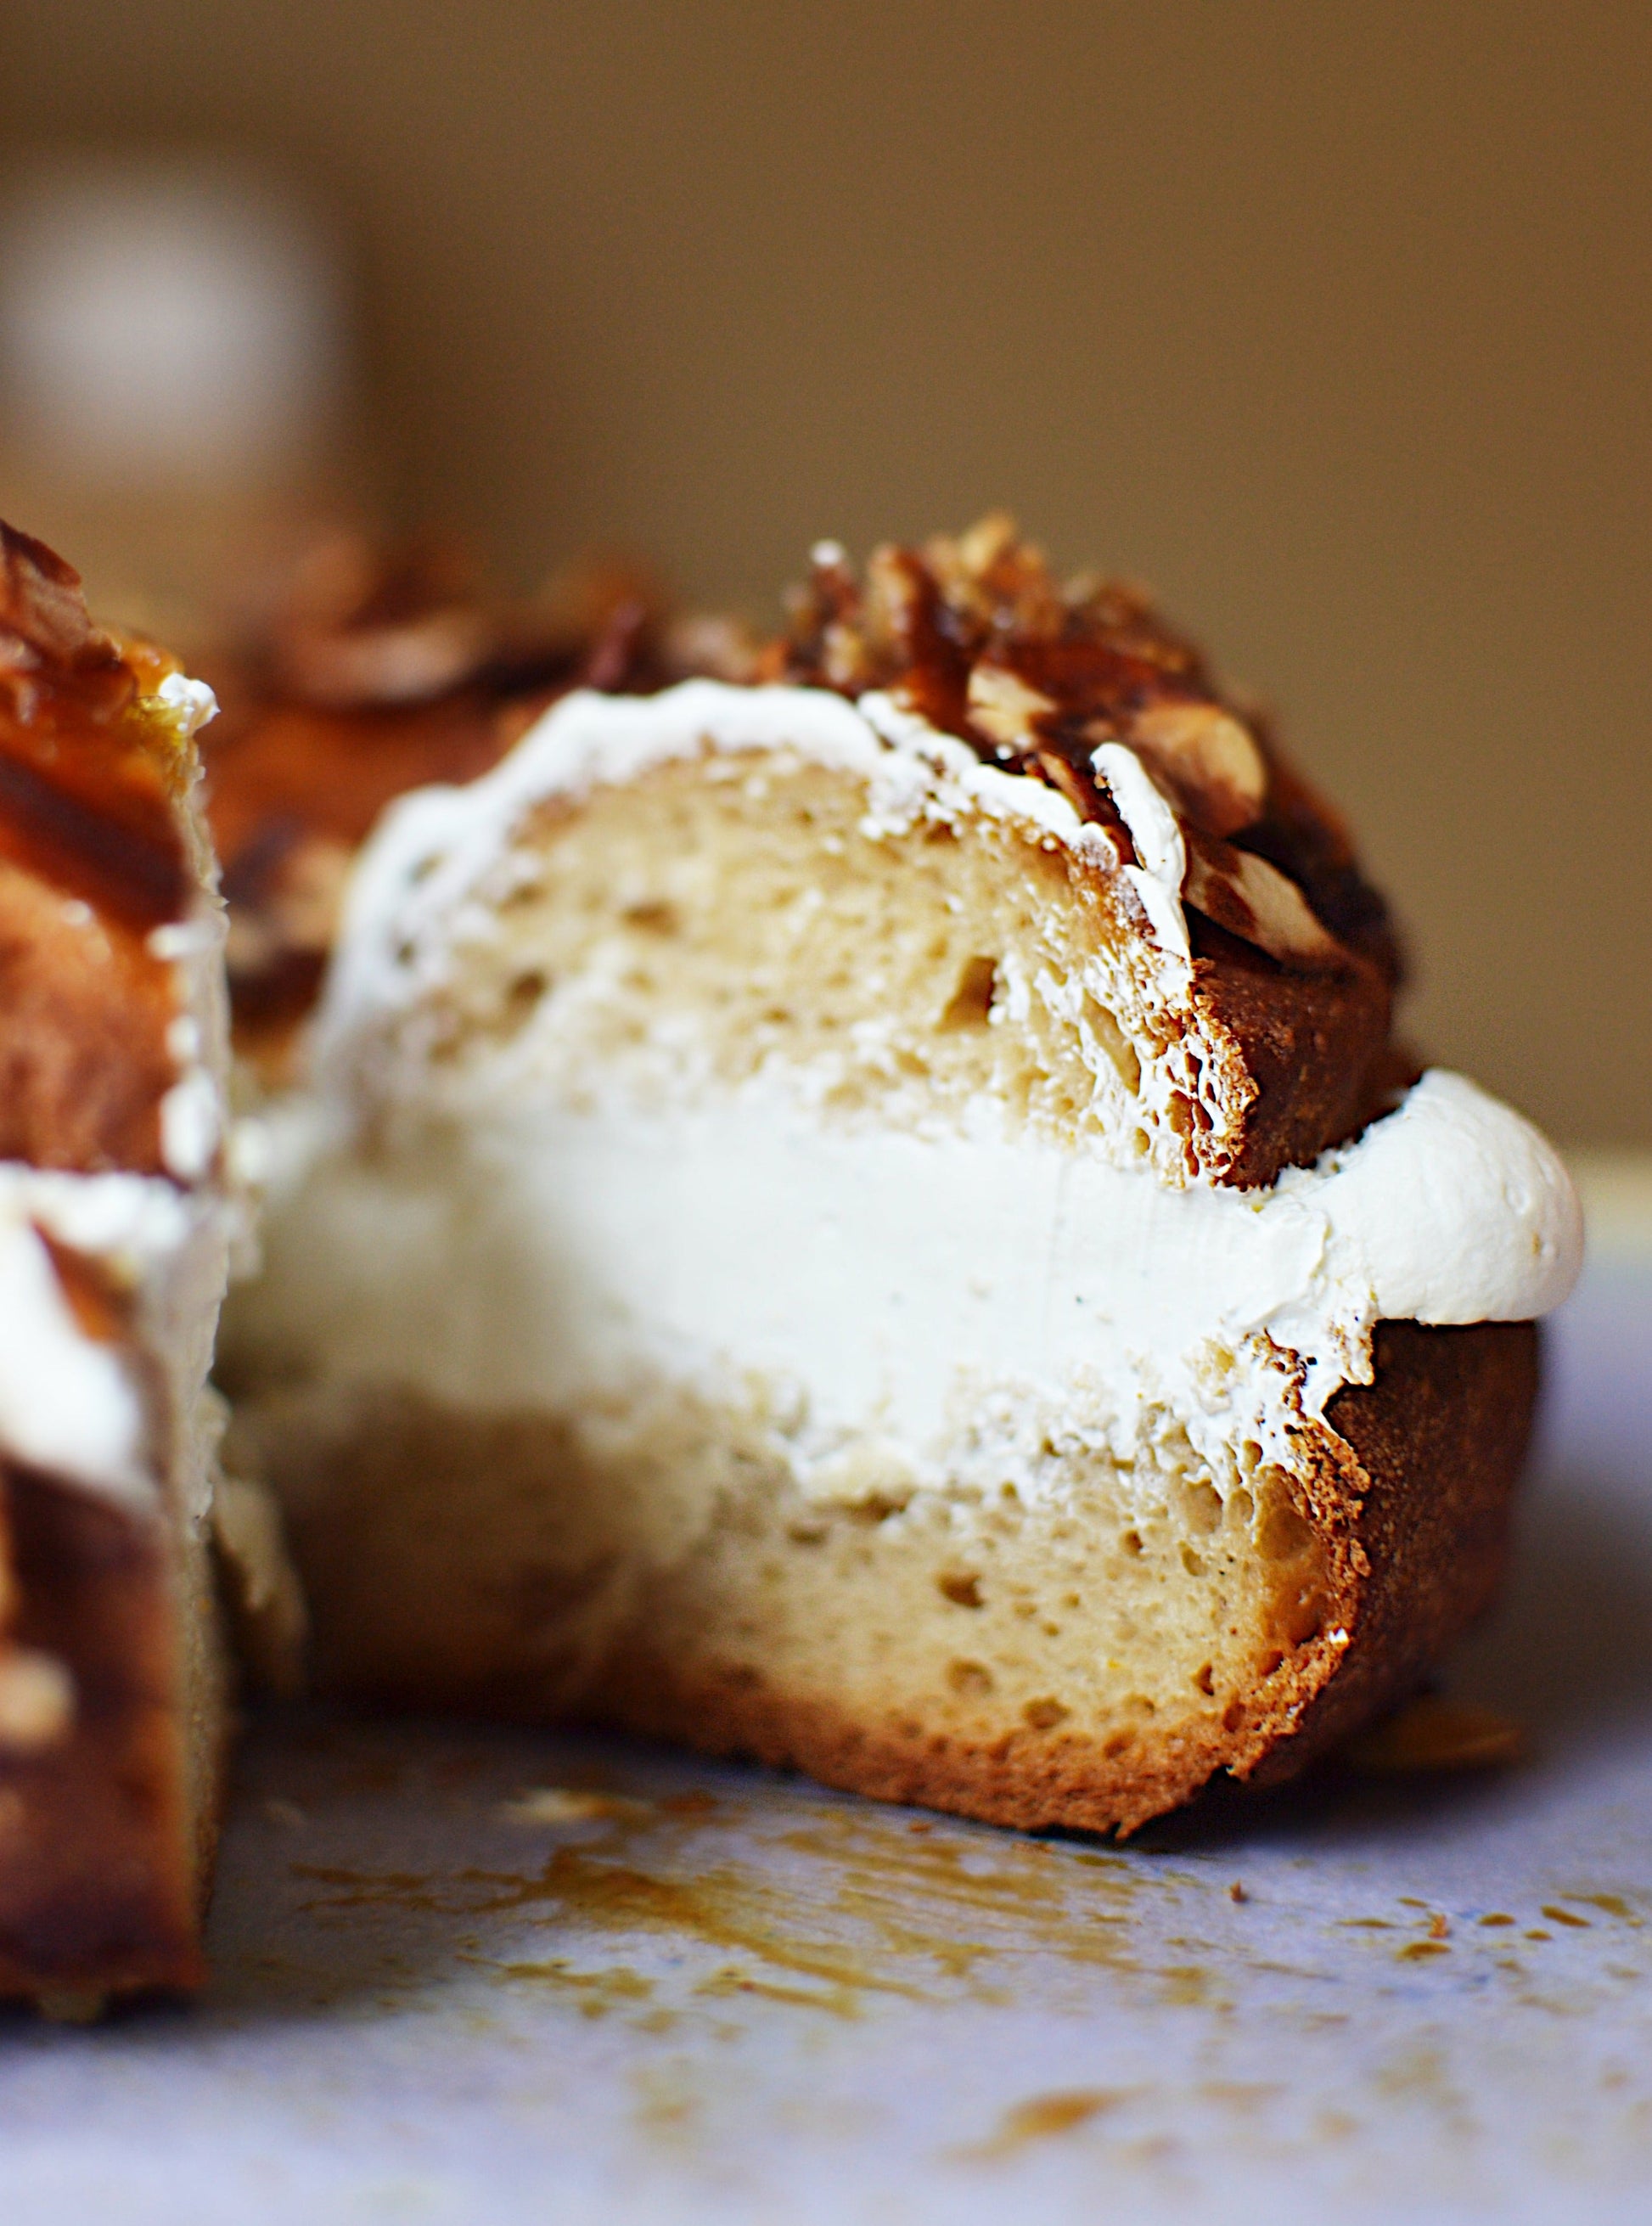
column 987, row 540
column 1256, row 902
column 894, row 589
column 41, row 599
column 1067, row 780
column 409, row 661
column 720, row 648
column 1210, row 759
column 1004, row 707
column 842, row 658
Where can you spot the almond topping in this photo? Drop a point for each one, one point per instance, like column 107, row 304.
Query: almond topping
column 1256, row 902
column 1210, row 760
column 894, row 597
column 843, row 657
column 41, row 599
column 1004, row 708
column 986, row 541
column 1067, row 780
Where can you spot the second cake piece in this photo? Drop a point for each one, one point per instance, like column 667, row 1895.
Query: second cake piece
column 865, row 1218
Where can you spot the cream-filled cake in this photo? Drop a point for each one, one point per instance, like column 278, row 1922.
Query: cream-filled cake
column 115, row 1230
column 869, row 1217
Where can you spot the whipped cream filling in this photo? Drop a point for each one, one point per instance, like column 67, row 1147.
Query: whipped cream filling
column 73, row 1403
column 907, row 1309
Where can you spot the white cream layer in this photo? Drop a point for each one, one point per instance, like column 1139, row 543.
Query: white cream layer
column 72, row 1404
column 872, row 1288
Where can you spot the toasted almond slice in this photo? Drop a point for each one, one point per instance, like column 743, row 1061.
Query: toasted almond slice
column 1254, row 902
column 1067, row 780
column 986, row 541
column 1004, row 706
column 1211, row 760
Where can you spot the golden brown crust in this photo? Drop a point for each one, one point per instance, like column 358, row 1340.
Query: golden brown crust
column 1402, row 1543
column 1440, row 1437
column 98, row 1871
column 1316, row 1046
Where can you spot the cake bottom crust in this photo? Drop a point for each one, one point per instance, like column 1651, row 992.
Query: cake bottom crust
column 1091, row 1661
column 1440, row 1439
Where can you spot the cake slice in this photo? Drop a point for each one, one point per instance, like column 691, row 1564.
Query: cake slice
column 114, row 1234
column 872, row 1218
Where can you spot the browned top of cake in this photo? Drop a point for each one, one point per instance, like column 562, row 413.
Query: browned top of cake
column 94, row 856
column 977, row 637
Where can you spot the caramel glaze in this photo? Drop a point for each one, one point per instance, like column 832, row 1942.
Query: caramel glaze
column 938, row 627
column 94, row 856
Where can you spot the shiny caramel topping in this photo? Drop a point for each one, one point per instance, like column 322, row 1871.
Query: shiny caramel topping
column 88, row 773
column 975, row 635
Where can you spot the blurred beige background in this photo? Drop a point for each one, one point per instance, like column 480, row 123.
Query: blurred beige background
column 1332, row 321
